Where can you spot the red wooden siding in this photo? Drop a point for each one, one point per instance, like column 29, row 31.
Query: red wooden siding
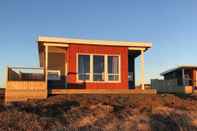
column 71, row 57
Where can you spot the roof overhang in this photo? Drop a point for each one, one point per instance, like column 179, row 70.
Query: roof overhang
column 61, row 41
column 177, row 68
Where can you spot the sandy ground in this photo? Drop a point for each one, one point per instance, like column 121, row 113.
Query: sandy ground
column 102, row 112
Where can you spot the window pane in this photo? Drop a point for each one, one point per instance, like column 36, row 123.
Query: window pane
column 113, row 77
column 84, row 67
column 98, row 68
column 113, row 68
column 130, row 76
column 53, row 75
column 113, row 64
column 84, row 76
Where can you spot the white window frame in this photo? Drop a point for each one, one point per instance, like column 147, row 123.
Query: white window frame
column 54, row 71
column 105, row 68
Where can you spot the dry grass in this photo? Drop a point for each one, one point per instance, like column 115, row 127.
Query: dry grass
column 97, row 112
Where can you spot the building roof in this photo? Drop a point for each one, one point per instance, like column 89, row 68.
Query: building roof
column 177, row 68
column 61, row 40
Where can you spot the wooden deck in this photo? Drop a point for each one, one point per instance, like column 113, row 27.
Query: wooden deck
column 24, row 90
column 100, row 91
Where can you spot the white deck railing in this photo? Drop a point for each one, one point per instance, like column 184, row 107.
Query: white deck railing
column 25, row 74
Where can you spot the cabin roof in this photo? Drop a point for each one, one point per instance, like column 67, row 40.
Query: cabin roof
column 58, row 40
column 179, row 67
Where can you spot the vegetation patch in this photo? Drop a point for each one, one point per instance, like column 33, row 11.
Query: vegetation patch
column 102, row 112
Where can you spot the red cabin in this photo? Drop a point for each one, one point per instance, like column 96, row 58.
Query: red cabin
column 90, row 64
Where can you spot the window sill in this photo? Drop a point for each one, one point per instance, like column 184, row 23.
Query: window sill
column 80, row 81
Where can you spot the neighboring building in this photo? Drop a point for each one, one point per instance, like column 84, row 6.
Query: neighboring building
column 82, row 64
column 185, row 75
column 180, row 79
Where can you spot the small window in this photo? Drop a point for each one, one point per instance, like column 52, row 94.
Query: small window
column 98, row 68
column 54, row 75
column 83, row 67
column 113, row 68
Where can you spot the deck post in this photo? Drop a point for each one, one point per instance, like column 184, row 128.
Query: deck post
column 194, row 77
column 46, row 65
column 6, row 77
column 183, row 77
column 142, row 69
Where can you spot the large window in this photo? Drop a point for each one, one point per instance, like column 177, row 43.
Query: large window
column 83, row 67
column 113, row 68
column 98, row 68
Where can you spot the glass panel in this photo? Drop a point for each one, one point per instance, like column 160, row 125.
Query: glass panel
column 84, row 76
column 53, row 75
column 113, row 64
column 84, row 67
column 98, row 68
column 113, row 77
column 113, row 68
column 130, row 76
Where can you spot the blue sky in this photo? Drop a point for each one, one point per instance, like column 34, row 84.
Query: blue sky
column 171, row 25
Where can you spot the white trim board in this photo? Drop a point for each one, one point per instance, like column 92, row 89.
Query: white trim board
column 56, row 40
